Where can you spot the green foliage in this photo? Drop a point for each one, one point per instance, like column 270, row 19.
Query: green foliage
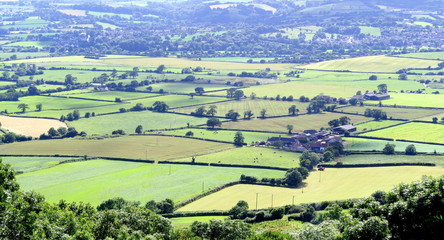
column 238, row 139
column 309, row 160
column 410, row 150
column 389, row 149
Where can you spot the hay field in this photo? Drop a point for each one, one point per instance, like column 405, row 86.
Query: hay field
column 33, row 127
column 137, row 147
column 372, row 64
column 98, row 180
column 331, row 184
column 399, row 113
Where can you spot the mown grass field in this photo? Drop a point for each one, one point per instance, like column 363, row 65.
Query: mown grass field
column 424, row 132
column 398, row 113
column 415, row 100
column 174, row 101
column 375, row 125
column 256, row 156
column 300, row 123
column 223, row 135
column 359, row 144
column 184, row 222
column 274, row 108
column 30, row 164
column 381, row 158
column 426, row 55
column 331, row 184
column 37, row 44
column 29, row 126
column 137, row 147
column 129, row 121
column 98, row 180
column 23, row 55
column 183, row 87
column 372, row 64
column 112, row 95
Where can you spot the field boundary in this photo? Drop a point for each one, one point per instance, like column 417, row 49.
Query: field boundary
column 370, row 165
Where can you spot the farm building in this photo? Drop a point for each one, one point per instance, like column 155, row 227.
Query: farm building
column 376, row 96
column 291, row 143
column 344, row 128
column 307, row 140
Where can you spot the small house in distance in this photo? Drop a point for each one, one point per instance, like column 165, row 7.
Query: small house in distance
column 376, row 96
column 344, row 128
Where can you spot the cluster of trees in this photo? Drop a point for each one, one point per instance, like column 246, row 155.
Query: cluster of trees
column 316, row 106
column 11, row 137
column 389, row 149
column 241, row 211
column 61, row 132
column 344, row 120
column 158, row 106
column 74, row 115
column 377, row 114
column 293, row 178
column 235, row 93
column 202, row 111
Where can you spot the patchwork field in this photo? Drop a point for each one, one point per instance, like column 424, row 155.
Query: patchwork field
column 30, row 164
column 98, row 180
column 426, row 55
column 381, row 158
column 256, row 156
column 129, row 121
column 274, row 108
column 184, row 222
column 360, row 144
column 372, row 64
column 331, row 184
column 424, row 132
column 300, row 123
column 222, row 135
column 373, row 125
column 398, row 113
column 112, row 95
column 183, row 87
column 416, row 100
column 33, row 127
column 137, row 147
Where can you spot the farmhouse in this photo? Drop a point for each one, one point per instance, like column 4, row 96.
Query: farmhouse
column 307, row 140
column 344, row 128
column 291, row 143
column 376, row 96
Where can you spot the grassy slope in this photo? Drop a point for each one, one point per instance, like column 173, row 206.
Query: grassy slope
column 223, row 135
column 332, row 184
column 98, row 180
column 360, row 144
column 400, row 113
column 29, row 164
column 380, row 158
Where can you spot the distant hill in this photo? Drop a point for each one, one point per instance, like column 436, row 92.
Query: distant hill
column 413, row 4
column 340, row 7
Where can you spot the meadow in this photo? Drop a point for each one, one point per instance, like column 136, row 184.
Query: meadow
column 426, row 55
column 37, row 44
column 397, row 113
column 328, row 185
column 254, row 156
column 23, row 55
column 381, row 158
column 300, row 123
column 374, row 31
column 31, row 164
column 415, row 100
column 183, row 87
column 274, row 108
column 97, row 180
column 129, row 121
column 33, row 127
column 373, row 125
column 112, row 95
column 184, row 222
column 372, row 64
column 137, row 147
column 222, row 135
column 360, row 144
column 424, row 132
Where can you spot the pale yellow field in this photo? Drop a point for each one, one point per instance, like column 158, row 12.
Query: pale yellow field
column 33, row 127
column 154, row 62
column 373, row 64
column 331, row 184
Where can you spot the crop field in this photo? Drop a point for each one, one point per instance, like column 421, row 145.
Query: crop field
column 424, row 132
column 153, row 62
column 129, row 121
column 49, row 103
column 174, row 101
column 42, row 87
column 98, row 180
column 415, row 100
column 300, row 123
column 33, row 127
column 426, row 55
column 81, row 75
column 183, row 222
column 372, row 64
column 274, row 108
column 398, row 113
column 183, row 87
column 112, row 95
column 255, row 156
column 381, row 158
column 341, row 77
column 7, row 83
column 375, row 125
column 138, row 147
column 36, row 44
column 359, row 144
column 236, row 59
column 105, row 108
column 374, row 31
column 307, row 89
column 222, row 135
column 331, row 184
column 23, row 55
column 30, row 164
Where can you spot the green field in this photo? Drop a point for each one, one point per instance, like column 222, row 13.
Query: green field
column 415, row 100
column 426, row 55
column 424, row 132
column 359, row 144
column 98, row 180
column 112, row 95
column 397, row 113
column 373, row 125
column 256, row 156
column 236, row 59
column 381, row 158
column 222, row 135
column 274, row 108
column 184, row 222
column 423, row 24
column 374, row 31
column 175, row 101
column 372, row 64
column 22, row 55
column 129, row 121
column 138, row 147
column 300, row 123
column 183, row 87
column 331, row 184
column 30, row 44
column 30, row 164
